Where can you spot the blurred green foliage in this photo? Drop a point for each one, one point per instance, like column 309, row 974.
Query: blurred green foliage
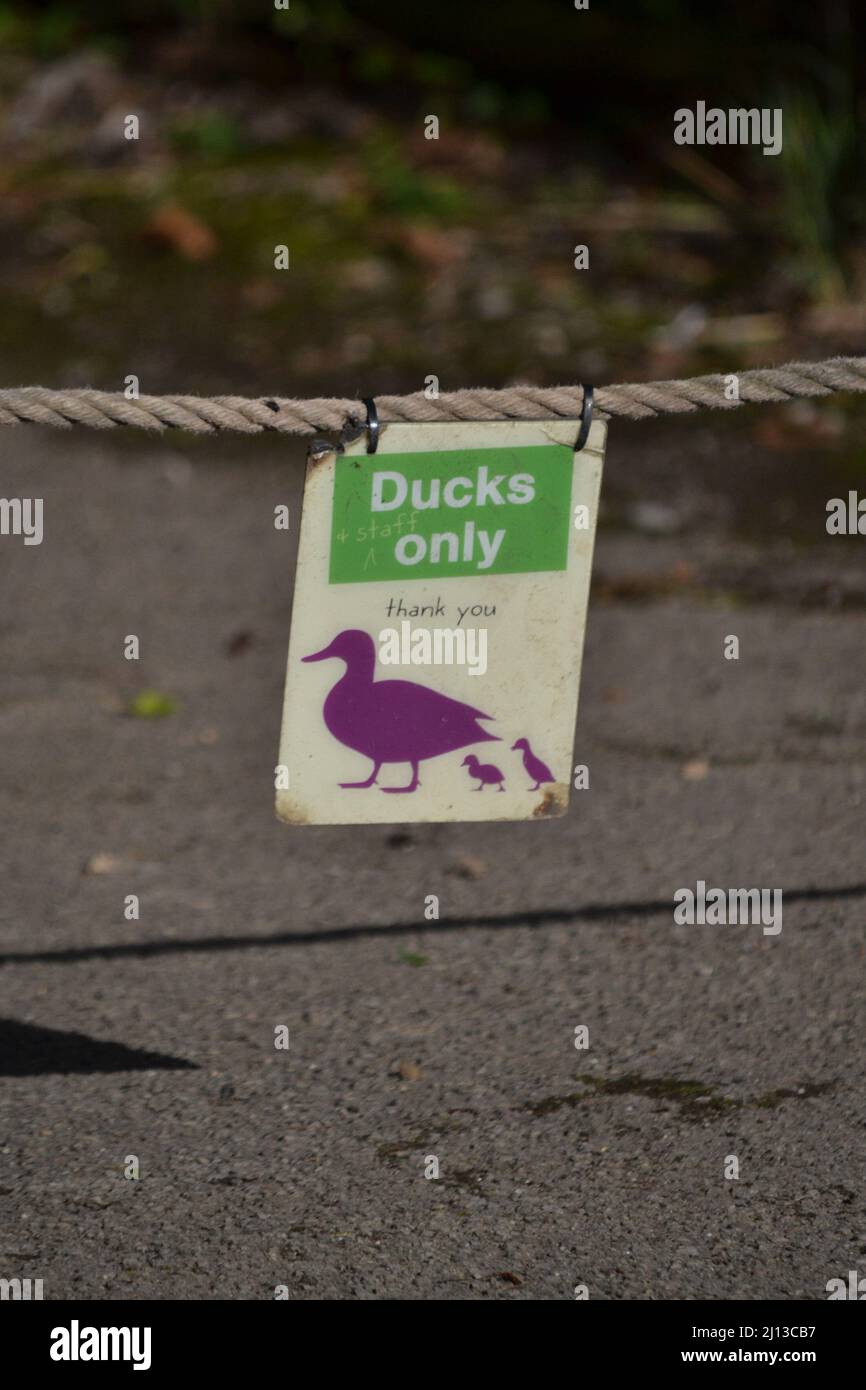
column 306, row 126
column 213, row 135
column 821, row 173
column 45, row 31
column 397, row 186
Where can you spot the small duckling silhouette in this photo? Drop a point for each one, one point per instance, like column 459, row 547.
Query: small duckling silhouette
column 487, row 774
column 534, row 766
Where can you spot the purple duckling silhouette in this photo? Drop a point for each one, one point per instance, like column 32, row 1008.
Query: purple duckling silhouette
column 392, row 721
column 534, row 766
column 487, row 774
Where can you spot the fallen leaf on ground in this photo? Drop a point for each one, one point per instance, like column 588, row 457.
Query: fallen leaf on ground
column 409, row 1071
column 103, row 864
column 695, row 770
column 181, row 231
column 469, row 866
column 151, row 704
column 413, row 958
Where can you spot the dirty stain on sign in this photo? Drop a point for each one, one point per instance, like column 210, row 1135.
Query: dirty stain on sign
column 438, row 623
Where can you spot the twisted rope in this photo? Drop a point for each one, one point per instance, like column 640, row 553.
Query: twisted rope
column 250, row 415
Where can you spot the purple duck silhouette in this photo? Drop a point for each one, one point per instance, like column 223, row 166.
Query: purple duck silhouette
column 487, row 774
column 534, row 766
column 392, row 721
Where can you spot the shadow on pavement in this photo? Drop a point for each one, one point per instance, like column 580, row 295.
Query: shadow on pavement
column 29, row 1050
column 592, row 912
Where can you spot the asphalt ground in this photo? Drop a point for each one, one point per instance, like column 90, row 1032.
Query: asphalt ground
column 411, row 1039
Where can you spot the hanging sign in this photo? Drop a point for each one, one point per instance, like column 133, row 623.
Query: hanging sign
column 438, row 624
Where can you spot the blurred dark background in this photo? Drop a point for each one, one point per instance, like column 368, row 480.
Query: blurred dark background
column 305, row 127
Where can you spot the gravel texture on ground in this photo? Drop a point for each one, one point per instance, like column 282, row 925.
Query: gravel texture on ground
column 409, row 1039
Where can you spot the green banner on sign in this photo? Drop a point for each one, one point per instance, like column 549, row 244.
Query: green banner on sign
column 453, row 512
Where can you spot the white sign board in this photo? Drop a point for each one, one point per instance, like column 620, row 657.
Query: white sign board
column 438, row 624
